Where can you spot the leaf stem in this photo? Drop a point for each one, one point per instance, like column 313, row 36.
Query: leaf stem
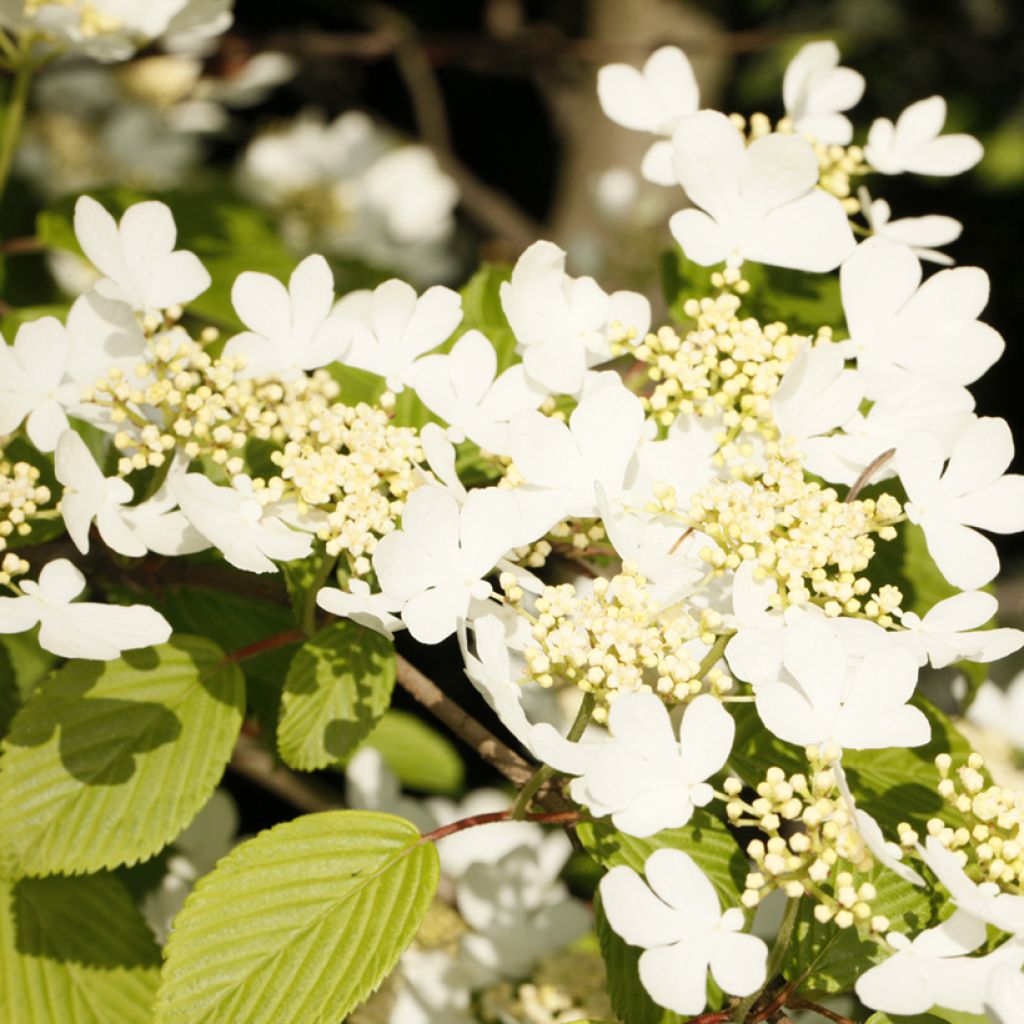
column 270, row 643
column 545, row 772
column 14, row 116
column 309, row 607
column 544, row 818
column 775, row 957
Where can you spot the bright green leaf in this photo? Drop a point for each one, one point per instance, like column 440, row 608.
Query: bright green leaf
column 338, row 686
column 300, row 924
column 74, row 951
column 418, row 755
column 108, row 761
column 482, row 310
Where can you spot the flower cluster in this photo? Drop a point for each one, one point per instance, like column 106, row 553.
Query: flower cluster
column 22, row 498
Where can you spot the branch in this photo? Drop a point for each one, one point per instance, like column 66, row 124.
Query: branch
column 492, row 817
column 254, row 762
column 824, row 1011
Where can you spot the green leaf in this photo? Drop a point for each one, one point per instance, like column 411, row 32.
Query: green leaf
column 921, row 1018
column 682, row 279
column 482, row 311
column 831, row 959
column 338, row 687
column 108, row 761
column 418, row 755
column 300, row 924
column 22, row 664
column 893, row 785
column 704, row 838
column 74, row 951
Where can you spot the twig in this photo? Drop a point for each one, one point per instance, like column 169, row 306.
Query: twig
column 14, row 246
column 872, row 468
column 270, row 643
column 253, row 761
column 824, row 1011
column 547, row 818
column 481, row 739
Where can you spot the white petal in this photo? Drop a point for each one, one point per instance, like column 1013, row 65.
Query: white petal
column 739, row 963
column 675, row 878
column 676, row 977
column 18, row 614
column 60, row 581
column 634, row 912
column 99, row 238
column 626, row 98
column 706, row 736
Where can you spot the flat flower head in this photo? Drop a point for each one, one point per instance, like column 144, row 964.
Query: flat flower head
column 816, row 91
column 290, row 330
column 676, row 918
column 915, row 143
column 78, row 629
column 758, row 202
column 137, row 257
column 652, row 99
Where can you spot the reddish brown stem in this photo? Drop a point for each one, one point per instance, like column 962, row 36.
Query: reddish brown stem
column 270, row 643
column 824, row 1011
column 544, row 818
column 710, row 1018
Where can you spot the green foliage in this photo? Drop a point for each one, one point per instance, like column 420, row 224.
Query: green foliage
column 831, row 959
column 107, row 762
column 301, row 923
column 482, row 310
column 338, row 687
column 804, row 302
column 228, row 234
column 893, row 785
column 22, row 664
column 419, row 756
column 937, row 1016
column 75, row 951
column 712, row 847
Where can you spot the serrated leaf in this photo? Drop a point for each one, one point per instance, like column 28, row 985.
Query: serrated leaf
column 482, row 311
column 918, row 1018
column 300, row 924
column 338, row 686
column 74, row 951
column 831, row 959
column 419, row 756
column 108, row 761
column 704, row 838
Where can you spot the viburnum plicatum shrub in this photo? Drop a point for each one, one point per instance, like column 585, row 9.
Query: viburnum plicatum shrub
column 695, row 568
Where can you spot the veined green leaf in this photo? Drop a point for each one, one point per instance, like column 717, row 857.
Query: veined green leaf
column 108, row 761
column 300, row 924
column 338, row 686
column 419, row 756
column 74, row 951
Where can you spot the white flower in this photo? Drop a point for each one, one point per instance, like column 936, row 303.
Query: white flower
column 235, row 522
column 943, row 410
column 85, row 630
column 1005, row 994
column 984, row 901
column 824, row 696
column 653, row 100
column 817, row 395
column 411, row 196
column 434, row 986
column 677, row 919
column 562, row 464
column 375, row 611
column 290, row 330
column 971, row 492
column 1000, row 711
column 922, row 234
column 902, row 329
column 914, row 144
column 104, row 333
column 816, row 90
column 951, row 630
column 465, row 390
column 137, row 256
column 436, row 563
column 392, row 328
column 517, row 908
column 89, row 495
column 561, row 323
column 33, row 382
column 935, row 970
column 758, row 202
column 645, row 778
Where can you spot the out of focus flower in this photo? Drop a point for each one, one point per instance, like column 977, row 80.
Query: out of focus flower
column 816, row 91
column 914, row 143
